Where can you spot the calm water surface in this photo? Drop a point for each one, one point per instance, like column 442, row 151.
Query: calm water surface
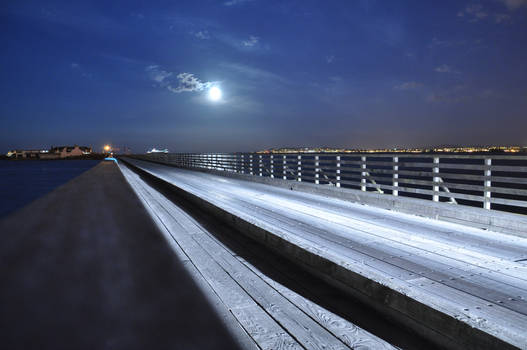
column 24, row 181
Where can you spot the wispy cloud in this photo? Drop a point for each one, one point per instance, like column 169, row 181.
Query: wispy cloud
column 474, row 12
column 252, row 44
column 514, row 4
column 253, row 73
column 80, row 70
column 444, row 69
column 439, row 43
column 409, row 85
column 157, row 74
column 138, row 16
column 253, row 40
column 460, row 93
column 235, row 2
column 184, row 82
column 330, row 59
column 502, row 18
column 202, row 34
column 188, row 82
column 124, row 59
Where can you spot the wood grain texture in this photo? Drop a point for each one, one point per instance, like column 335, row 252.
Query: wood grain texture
column 477, row 268
column 245, row 293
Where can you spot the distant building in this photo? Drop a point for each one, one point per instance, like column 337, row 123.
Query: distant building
column 53, row 153
column 70, row 151
column 26, row 153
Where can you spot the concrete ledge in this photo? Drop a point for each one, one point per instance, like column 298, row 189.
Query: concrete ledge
column 85, row 267
column 435, row 325
column 508, row 223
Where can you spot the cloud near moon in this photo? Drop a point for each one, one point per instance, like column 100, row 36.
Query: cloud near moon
column 184, row 82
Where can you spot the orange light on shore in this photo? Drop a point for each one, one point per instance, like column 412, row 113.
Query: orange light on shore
column 107, row 148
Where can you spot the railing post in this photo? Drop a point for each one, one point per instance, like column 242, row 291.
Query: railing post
column 487, row 184
column 251, row 164
column 284, row 167
column 299, row 168
column 435, row 188
column 395, row 175
column 337, row 176
column 272, row 166
column 363, row 174
column 260, row 164
column 317, row 164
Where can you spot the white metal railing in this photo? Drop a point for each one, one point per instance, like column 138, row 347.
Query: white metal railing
column 490, row 181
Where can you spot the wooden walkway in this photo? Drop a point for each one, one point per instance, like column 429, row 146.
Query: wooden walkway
column 477, row 278
column 260, row 312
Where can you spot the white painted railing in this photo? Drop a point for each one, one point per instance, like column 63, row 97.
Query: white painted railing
column 490, row 181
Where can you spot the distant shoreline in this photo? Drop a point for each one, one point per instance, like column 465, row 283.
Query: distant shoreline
column 89, row 157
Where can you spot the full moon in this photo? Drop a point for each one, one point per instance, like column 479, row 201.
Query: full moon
column 215, row 93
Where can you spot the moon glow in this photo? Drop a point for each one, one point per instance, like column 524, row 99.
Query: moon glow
column 215, row 93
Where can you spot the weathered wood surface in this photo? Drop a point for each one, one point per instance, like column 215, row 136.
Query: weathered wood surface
column 492, row 179
column 262, row 312
column 85, row 267
column 469, row 274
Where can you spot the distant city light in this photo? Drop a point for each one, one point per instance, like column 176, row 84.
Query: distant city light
column 107, row 148
column 215, row 93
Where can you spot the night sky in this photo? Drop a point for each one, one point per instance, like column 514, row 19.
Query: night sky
column 292, row 73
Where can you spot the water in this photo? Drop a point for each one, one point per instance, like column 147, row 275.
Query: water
column 24, row 181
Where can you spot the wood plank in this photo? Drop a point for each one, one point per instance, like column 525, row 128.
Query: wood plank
column 265, row 331
column 359, row 250
column 234, row 327
column 347, row 332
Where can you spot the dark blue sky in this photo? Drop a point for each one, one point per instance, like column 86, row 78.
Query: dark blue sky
column 338, row 73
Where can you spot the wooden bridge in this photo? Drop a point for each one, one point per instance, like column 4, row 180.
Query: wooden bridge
column 275, row 251
column 447, row 259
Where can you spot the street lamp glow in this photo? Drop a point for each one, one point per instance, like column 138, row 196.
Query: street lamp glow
column 107, row 148
column 215, row 93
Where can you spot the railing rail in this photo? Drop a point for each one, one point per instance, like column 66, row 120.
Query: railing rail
column 497, row 182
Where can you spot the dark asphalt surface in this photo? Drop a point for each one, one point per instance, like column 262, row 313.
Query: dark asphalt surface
column 84, row 267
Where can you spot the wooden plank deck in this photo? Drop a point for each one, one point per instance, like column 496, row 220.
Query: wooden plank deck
column 472, row 276
column 259, row 312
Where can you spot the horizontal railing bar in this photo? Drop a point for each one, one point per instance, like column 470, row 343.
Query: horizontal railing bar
column 379, row 155
column 511, row 202
column 345, row 170
column 379, row 172
column 390, row 164
column 418, row 191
